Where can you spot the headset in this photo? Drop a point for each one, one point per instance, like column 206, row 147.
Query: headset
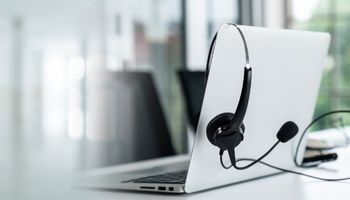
column 226, row 130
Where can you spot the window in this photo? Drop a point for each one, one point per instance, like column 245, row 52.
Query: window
column 51, row 56
column 219, row 12
column 329, row 16
column 134, row 37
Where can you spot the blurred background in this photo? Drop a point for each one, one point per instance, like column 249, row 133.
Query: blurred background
column 94, row 83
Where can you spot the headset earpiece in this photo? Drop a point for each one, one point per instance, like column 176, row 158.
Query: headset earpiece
column 226, row 129
column 220, row 132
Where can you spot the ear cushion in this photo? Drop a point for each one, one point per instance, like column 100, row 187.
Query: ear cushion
column 222, row 122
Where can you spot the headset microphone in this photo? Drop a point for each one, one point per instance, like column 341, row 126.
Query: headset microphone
column 287, row 131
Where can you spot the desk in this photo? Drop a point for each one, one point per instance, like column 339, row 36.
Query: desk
column 283, row 186
column 32, row 171
column 279, row 187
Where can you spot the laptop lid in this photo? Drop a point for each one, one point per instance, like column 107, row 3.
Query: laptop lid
column 287, row 68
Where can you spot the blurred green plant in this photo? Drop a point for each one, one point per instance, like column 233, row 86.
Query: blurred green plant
column 332, row 16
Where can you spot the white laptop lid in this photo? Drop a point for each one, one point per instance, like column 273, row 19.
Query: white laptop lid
column 287, row 68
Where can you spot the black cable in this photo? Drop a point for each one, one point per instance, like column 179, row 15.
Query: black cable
column 307, row 128
column 295, row 172
column 283, row 170
column 222, row 162
column 295, row 155
column 233, row 158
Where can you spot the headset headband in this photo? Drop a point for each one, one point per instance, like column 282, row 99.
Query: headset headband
column 212, row 48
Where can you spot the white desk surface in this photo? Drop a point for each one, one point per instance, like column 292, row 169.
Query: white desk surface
column 33, row 171
column 283, row 186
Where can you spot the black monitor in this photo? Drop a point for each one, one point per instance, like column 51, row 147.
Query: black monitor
column 193, row 86
column 124, row 110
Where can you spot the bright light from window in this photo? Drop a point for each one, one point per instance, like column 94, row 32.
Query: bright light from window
column 75, row 124
column 54, row 77
column 329, row 63
column 303, row 10
column 76, row 68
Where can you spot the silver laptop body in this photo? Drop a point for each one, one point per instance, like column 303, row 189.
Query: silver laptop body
column 287, row 68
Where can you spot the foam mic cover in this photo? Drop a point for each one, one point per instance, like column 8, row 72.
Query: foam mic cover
column 287, row 131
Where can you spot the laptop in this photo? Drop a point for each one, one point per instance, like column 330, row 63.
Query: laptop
column 287, row 68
